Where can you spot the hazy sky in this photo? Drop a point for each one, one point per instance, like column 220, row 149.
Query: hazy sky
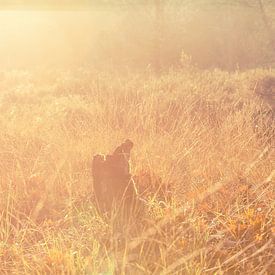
column 48, row 3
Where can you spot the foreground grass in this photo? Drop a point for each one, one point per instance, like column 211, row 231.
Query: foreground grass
column 208, row 176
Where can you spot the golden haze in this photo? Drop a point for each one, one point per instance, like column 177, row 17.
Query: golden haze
column 75, row 84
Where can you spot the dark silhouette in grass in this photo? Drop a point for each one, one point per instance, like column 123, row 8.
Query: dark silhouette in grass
column 112, row 179
column 264, row 119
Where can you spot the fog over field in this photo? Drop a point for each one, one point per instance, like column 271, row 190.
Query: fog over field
column 137, row 137
column 51, row 38
column 236, row 35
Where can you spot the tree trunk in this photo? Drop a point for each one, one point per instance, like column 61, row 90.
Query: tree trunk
column 267, row 24
column 159, row 25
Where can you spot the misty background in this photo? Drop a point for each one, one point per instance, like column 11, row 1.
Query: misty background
column 138, row 34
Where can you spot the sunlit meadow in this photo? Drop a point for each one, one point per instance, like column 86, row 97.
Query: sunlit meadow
column 203, row 156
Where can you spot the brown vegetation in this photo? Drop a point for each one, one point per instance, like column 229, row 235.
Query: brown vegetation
column 205, row 176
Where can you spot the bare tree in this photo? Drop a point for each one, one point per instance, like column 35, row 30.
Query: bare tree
column 267, row 23
column 159, row 28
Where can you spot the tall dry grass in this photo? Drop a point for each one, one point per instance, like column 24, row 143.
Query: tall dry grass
column 193, row 134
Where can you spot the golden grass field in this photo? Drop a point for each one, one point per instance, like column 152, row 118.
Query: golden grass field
column 192, row 129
